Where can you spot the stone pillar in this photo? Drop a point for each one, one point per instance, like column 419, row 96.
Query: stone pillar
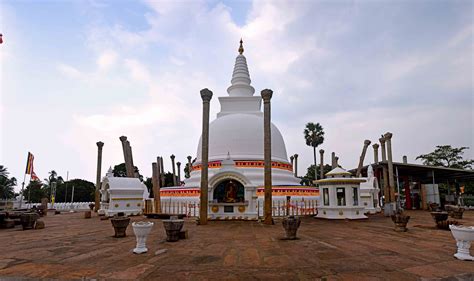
column 296, row 165
column 321, row 163
column 405, row 159
column 391, row 178
column 336, row 161
column 190, row 165
column 206, row 96
column 386, row 188
column 292, row 159
column 333, row 160
column 267, row 144
column 178, row 164
column 362, row 157
column 156, row 188
column 134, row 173
column 375, row 146
column 125, row 149
column 174, row 169
column 100, row 145
column 162, row 172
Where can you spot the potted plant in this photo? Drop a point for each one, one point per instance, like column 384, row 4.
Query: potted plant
column 291, row 225
column 120, row 223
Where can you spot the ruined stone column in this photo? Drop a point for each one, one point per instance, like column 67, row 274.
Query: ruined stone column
column 159, row 174
column 336, row 161
column 296, row 165
column 178, row 164
column 391, row 179
column 206, row 96
column 405, row 159
column 333, row 160
column 156, row 188
column 386, row 189
column 321, row 163
column 376, row 152
column 100, row 145
column 134, row 173
column 362, row 157
column 128, row 166
column 174, row 169
column 267, row 144
column 162, row 172
column 190, row 165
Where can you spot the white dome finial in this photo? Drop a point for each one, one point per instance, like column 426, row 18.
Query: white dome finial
column 240, row 77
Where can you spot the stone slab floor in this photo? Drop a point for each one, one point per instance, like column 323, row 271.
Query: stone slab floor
column 71, row 247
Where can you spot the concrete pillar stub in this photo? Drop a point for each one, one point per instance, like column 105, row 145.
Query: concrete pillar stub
column 267, row 144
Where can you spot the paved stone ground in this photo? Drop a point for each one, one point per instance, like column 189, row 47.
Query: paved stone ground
column 71, row 247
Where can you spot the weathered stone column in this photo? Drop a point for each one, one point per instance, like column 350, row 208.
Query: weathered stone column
column 126, row 158
column 375, row 146
column 336, row 161
column 156, row 187
column 321, row 163
column 100, row 145
column 190, row 165
column 333, row 160
column 174, row 169
column 391, row 178
column 267, row 156
column 296, row 165
column 362, row 157
column 386, row 189
column 206, row 96
column 292, row 159
column 405, row 159
column 134, row 173
column 178, row 164
column 162, row 172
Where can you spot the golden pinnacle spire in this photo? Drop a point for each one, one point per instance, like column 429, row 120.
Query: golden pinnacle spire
column 241, row 48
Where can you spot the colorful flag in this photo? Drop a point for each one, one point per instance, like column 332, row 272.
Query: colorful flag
column 34, row 177
column 29, row 164
column 1, row 38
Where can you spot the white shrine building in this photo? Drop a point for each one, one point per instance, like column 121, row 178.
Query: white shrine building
column 236, row 161
column 369, row 192
column 340, row 196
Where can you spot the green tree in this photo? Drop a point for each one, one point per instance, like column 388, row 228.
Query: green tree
column 35, row 191
column 83, row 191
column 7, row 184
column 120, row 171
column 309, row 177
column 314, row 136
column 447, row 156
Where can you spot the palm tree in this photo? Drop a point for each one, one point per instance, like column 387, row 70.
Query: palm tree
column 6, row 184
column 314, row 136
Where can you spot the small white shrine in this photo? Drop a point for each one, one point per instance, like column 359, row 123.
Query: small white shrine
column 119, row 194
column 340, row 196
column 369, row 192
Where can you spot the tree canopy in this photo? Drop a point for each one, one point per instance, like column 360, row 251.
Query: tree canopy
column 314, row 134
column 7, row 184
column 447, row 156
column 309, row 177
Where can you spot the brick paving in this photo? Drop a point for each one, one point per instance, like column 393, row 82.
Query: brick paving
column 71, row 247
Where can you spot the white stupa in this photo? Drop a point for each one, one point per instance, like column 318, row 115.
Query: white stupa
column 236, row 161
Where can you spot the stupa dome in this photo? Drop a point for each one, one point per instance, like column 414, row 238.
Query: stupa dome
column 241, row 136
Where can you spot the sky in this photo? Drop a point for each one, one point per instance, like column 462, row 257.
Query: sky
column 76, row 72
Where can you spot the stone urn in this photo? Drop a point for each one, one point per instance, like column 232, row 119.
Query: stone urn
column 464, row 236
column 400, row 220
column 439, row 216
column 141, row 230
column 120, row 224
column 28, row 220
column 445, row 224
column 173, row 227
column 457, row 213
column 291, row 225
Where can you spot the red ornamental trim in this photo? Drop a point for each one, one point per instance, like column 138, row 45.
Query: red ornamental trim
column 247, row 164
